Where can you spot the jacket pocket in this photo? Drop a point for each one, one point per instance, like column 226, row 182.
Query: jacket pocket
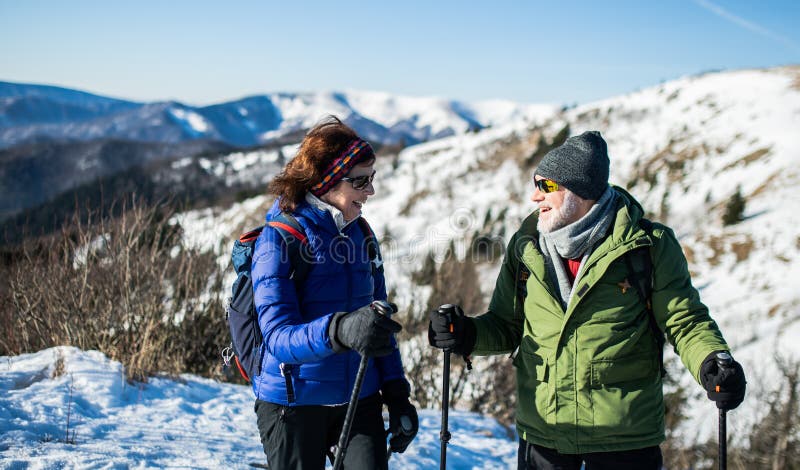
column 535, row 367
column 626, row 399
column 536, row 407
column 626, row 369
column 330, row 369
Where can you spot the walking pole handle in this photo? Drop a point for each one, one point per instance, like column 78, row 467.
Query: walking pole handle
column 382, row 307
column 724, row 361
column 448, row 310
column 451, row 312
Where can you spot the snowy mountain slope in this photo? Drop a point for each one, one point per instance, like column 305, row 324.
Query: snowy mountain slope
column 66, row 408
column 22, row 104
column 682, row 148
column 45, row 177
column 30, row 113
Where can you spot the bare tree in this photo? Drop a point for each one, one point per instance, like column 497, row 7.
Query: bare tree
column 126, row 286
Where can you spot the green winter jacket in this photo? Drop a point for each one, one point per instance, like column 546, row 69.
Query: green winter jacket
column 589, row 378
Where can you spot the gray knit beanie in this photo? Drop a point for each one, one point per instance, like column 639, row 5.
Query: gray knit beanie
column 580, row 164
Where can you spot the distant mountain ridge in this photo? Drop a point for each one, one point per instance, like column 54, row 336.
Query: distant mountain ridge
column 22, row 104
column 34, row 113
column 53, row 139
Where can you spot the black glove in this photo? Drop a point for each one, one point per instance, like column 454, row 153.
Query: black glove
column 403, row 420
column 726, row 386
column 363, row 330
column 450, row 329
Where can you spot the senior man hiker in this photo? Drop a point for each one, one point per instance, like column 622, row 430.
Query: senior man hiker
column 587, row 289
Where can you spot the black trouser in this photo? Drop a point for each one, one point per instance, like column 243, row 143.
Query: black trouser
column 298, row 437
column 533, row 457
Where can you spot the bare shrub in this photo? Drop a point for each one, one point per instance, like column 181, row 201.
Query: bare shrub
column 425, row 275
column 742, row 249
column 676, row 455
column 774, row 442
column 542, row 146
column 125, row 286
column 491, row 387
column 413, row 200
column 70, row 434
column 497, row 396
column 59, row 368
column 734, row 208
column 454, row 281
column 748, row 159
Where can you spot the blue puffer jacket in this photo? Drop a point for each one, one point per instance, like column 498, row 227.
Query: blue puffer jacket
column 294, row 321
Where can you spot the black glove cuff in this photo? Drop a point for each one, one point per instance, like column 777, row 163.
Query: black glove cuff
column 724, row 397
column 337, row 346
column 470, row 337
column 395, row 390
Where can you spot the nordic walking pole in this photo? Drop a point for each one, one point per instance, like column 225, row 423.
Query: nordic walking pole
column 383, row 308
column 724, row 361
column 444, row 434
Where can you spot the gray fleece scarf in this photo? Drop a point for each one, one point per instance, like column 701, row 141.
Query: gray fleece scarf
column 577, row 239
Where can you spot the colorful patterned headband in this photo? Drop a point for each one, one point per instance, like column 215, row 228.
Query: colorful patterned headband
column 358, row 151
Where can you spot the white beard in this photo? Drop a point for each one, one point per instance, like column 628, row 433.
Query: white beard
column 561, row 217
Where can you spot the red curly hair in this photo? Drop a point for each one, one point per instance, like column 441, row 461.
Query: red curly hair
column 322, row 144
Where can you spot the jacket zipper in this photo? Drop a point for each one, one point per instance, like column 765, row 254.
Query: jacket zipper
column 349, row 309
column 286, row 372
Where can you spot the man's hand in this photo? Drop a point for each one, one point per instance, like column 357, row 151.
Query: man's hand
column 450, row 329
column 724, row 385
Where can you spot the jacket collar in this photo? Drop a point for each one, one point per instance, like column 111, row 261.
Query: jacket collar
column 320, row 205
column 624, row 230
column 309, row 215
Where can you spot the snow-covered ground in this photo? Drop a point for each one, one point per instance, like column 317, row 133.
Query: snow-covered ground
column 89, row 417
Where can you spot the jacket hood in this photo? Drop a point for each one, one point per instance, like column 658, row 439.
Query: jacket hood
column 629, row 213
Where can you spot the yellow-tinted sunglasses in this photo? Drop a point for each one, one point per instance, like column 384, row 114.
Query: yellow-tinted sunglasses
column 546, row 186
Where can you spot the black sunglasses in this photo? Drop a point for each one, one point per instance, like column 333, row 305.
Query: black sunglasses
column 360, row 182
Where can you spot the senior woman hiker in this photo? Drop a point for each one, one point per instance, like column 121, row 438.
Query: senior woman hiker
column 317, row 326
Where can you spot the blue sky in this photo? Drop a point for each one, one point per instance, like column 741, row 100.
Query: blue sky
column 203, row 52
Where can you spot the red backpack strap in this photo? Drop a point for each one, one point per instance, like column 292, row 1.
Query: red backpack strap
column 241, row 369
column 294, row 236
column 288, row 228
column 286, row 223
column 250, row 236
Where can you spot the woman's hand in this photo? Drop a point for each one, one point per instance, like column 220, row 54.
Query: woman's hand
column 364, row 330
